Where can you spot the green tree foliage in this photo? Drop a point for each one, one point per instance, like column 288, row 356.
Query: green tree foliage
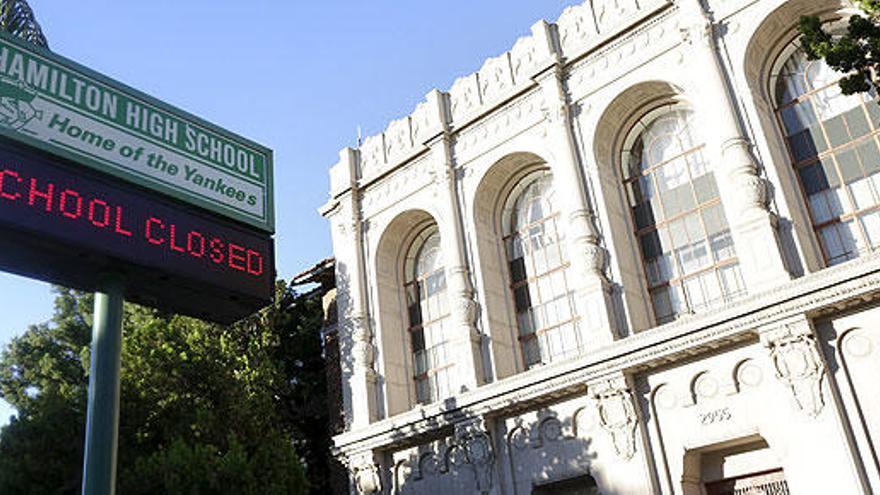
column 855, row 52
column 17, row 18
column 204, row 409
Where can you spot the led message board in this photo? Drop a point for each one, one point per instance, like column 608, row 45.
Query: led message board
column 64, row 224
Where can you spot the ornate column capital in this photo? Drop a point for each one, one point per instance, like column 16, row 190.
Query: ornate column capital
column 798, row 364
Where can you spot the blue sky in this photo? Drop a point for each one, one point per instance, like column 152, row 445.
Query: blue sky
column 296, row 76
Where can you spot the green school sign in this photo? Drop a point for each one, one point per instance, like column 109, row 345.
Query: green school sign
column 56, row 105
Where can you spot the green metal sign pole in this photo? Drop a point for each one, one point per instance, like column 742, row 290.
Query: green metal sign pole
column 102, row 425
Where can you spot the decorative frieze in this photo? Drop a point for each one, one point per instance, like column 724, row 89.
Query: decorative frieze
column 581, row 29
column 524, row 58
column 402, row 183
column 372, row 155
column 398, row 140
column 502, row 124
column 586, row 26
column 645, row 42
column 466, row 456
column 464, row 97
column 856, row 281
column 496, row 77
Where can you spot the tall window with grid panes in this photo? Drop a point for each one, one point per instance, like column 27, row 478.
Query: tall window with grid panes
column 537, row 263
column 689, row 258
column 428, row 312
column 832, row 144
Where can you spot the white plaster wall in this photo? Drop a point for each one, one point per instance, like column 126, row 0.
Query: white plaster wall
column 851, row 343
column 703, row 405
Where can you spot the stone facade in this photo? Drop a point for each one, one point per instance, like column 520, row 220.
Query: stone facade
column 518, row 312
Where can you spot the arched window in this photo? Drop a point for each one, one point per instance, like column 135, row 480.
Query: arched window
column 688, row 254
column 428, row 312
column 832, row 144
column 537, row 263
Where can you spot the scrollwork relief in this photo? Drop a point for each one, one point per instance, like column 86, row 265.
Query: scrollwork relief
column 617, row 415
column 467, row 308
column 596, row 257
column 398, row 140
column 798, row 365
column 463, row 96
column 366, row 476
column 576, row 27
column 476, row 444
column 610, row 13
column 495, row 77
column 362, row 343
column 523, row 58
column 372, row 152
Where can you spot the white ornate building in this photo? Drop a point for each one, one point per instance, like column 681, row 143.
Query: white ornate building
column 634, row 254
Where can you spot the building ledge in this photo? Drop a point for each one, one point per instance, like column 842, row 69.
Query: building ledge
column 815, row 294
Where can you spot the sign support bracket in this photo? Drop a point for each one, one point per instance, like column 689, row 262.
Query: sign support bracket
column 102, row 425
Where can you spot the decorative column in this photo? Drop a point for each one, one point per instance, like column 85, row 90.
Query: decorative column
column 475, row 443
column 587, row 256
column 795, row 358
column 745, row 194
column 356, row 338
column 467, row 340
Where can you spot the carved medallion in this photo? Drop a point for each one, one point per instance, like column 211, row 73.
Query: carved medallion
column 798, row 364
column 366, row 477
column 617, row 416
column 475, row 443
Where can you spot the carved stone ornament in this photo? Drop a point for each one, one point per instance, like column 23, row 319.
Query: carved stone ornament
column 617, row 416
column 553, row 112
column 753, row 190
column 696, row 32
column 595, row 256
column 583, row 228
column 554, row 106
column 362, row 346
column 476, row 444
column 366, row 477
column 466, row 309
column 798, row 364
column 441, row 174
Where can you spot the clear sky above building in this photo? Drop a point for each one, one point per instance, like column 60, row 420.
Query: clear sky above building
column 296, row 76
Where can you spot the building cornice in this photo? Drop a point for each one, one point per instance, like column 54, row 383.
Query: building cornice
column 831, row 289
